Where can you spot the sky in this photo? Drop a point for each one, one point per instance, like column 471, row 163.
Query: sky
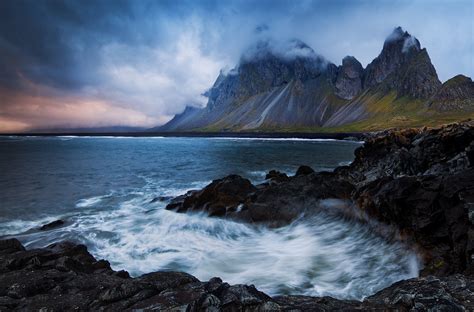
column 71, row 64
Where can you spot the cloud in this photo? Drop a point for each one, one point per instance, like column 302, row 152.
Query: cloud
column 30, row 110
column 149, row 59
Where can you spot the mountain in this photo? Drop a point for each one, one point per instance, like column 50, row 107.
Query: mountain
column 289, row 87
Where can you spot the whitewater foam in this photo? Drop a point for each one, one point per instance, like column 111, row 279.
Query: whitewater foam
column 321, row 255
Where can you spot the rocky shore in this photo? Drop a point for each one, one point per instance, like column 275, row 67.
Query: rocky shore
column 413, row 185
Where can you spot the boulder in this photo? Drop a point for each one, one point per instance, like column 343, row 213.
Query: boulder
column 217, row 198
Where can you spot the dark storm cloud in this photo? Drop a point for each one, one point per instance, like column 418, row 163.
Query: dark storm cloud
column 148, row 59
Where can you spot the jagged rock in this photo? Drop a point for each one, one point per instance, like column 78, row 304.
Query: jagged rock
column 453, row 293
column 304, row 170
column 276, row 176
column 217, row 198
column 349, row 78
column 431, row 212
column 393, row 153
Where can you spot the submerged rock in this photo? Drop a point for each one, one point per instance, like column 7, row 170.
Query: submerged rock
column 51, row 225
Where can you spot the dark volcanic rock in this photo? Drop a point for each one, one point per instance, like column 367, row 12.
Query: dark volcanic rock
column 443, row 150
column 275, row 203
column 276, row 176
column 453, row 293
column 52, row 225
column 431, row 211
column 38, row 280
column 217, row 198
column 304, row 170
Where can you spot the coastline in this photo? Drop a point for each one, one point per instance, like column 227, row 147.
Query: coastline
column 302, row 135
column 418, row 181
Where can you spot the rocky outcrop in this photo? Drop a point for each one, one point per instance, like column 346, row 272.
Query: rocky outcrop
column 431, row 212
column 443, row 150
column 66, row 277
column 419, row 181
column 218, row 198
column 274, row 204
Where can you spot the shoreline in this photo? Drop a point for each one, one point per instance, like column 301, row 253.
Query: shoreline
column 283, row 135
column 420, row 181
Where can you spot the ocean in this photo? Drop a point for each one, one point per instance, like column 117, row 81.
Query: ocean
column 111, row 192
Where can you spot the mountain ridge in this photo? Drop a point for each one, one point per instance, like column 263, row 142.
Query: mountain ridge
column 289, row 87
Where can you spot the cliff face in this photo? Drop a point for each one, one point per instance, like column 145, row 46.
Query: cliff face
column 349, row 78
column 289, row 86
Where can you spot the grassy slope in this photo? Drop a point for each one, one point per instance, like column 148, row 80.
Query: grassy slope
column 390, row 112
column 386, row 112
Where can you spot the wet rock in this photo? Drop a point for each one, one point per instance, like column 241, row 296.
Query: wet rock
column 52, row 225
column 161, row 199
column 431, row 211
column 276, row 176
column 454, row 293
column 10, row 245
column 217, row 198
column 304, row 170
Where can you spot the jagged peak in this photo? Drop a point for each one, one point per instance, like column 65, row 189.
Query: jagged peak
column 402, row 40
column 350, row 60
column 287, row 50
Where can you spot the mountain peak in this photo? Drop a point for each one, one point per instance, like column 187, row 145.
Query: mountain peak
column 398, row 49
column 402, row 41
column 287, row 50
column 349, row 78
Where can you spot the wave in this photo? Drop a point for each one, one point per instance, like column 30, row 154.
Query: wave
column 323, row 255
column 281, row 139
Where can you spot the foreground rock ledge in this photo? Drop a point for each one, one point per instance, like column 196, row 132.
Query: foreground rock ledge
column 65, row 277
